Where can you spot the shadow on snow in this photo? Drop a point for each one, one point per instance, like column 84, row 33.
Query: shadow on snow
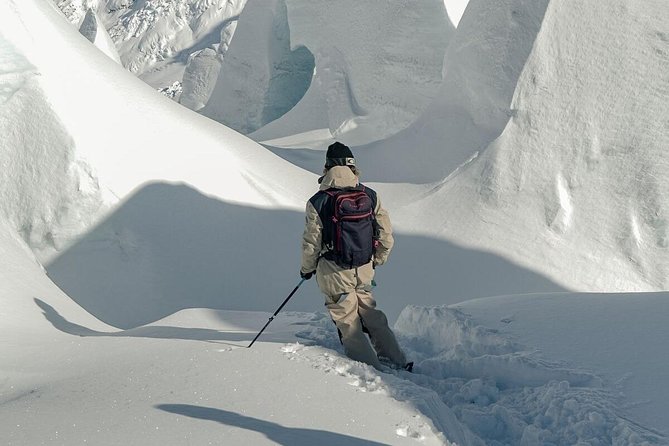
column 273, row 431
column 169, row 247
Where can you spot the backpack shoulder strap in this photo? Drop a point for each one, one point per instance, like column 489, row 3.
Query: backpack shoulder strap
column 319, row 200
column 371, row 193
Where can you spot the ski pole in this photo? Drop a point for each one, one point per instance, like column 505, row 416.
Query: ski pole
column 277, row 312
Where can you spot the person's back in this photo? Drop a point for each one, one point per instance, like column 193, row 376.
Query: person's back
column 348, row 289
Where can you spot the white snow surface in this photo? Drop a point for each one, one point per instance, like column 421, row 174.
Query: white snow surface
column 143, row 339
column 580, row 167
column 93, row 29
column 358, row 93
column 155, row 38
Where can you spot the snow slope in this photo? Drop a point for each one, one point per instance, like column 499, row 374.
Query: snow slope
column 148, row 148
column 48, row 193
column 66, row 378
column 358, row 92
column 580, row 168
column 548, row 369
column 72, row 378
column 481, row 67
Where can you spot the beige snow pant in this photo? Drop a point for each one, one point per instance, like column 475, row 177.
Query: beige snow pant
column 354, row 311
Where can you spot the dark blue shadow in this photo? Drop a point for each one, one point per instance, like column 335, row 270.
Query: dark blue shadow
column 275, row 432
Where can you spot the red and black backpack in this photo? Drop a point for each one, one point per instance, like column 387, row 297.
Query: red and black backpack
column 350, row 231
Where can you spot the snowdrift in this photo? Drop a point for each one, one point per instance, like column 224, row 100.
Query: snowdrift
column 48, row 194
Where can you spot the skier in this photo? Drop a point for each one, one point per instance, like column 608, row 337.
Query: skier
column 347, row 235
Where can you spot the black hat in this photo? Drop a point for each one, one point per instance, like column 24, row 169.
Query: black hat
column 339, row 155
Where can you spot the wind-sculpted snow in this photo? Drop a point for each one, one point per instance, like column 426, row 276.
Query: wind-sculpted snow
column 151, row 32
column 47, row 192
column 369, row 81
column 261, row 78
column 581, row 166
column 481, row 68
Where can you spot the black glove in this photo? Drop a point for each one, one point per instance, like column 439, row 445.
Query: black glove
column 306, row 276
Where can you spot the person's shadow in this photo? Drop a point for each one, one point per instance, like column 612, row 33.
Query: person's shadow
column 273, row 431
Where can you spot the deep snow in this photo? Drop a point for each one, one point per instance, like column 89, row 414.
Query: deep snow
column 190, row 220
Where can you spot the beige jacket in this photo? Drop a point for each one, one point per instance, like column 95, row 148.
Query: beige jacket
column 332, row 279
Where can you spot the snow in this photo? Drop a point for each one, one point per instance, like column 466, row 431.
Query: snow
column 262, row 76
column 455, row 9
column 155, row 37
column 358, row 92
column 563, row 174
column 170, row 236
column 93, row 29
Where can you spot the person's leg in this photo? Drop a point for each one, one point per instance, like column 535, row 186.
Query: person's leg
column 382, row 337
column 344, row 312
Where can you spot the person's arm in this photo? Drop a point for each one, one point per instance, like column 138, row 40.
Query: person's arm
column 386, row 240
column 311, row 240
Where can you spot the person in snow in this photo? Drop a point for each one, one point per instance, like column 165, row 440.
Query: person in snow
column 347, row 286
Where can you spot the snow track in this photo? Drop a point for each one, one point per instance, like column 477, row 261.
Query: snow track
column 478, row 387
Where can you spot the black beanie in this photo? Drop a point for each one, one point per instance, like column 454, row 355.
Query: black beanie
column 339, row 155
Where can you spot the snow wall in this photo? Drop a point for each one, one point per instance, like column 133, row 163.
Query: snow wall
column 581, row 167
column 376, row 65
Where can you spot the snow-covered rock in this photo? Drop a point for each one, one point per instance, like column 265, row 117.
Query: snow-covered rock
column 155, row 37
column 74, row 10
column 481, row 70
